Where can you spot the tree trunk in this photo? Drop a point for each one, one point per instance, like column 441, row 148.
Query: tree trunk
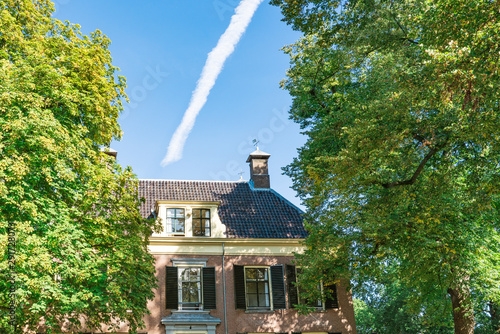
column 495, row 316
column 463, row 312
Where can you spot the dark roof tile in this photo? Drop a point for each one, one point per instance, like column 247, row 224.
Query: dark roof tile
column 246, row 212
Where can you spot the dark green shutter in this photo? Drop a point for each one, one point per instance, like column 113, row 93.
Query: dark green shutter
column 209, row 297
column 172, row 287
column 278, row 287
column 291, row 280
column 239, row 287
column 331, row 301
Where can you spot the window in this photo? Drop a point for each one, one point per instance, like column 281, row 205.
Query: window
column 201, row 222
column 313, row 303
column 294, row 297
column 175, row 221
column 190, row 287
column 259, row 287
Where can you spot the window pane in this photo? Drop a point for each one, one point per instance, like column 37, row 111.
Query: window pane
column 251, row 287
column 261, row 273
column 264, row 300
column 170, row 212
column 252, row 300
column 206, row 213
column 251, row 273
column 183, row 274
column 207, row 231
column 263, row 287
column 194, row 274
column 196, row 213
column 190, row 292
column 179, row 213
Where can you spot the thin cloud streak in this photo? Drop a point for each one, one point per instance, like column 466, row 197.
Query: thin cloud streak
column 213, row 66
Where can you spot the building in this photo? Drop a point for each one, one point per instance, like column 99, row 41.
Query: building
column 224, row 259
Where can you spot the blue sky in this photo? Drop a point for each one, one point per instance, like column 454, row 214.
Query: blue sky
column 161, row 47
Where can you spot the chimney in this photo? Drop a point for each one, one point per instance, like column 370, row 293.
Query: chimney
column 259, row 173
column 109, row 151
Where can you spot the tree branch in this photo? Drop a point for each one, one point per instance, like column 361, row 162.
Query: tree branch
column 313, row 94
column 417, row 172
column 405, row 32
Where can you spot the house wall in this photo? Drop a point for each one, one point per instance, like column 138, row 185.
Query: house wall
column 241, row 321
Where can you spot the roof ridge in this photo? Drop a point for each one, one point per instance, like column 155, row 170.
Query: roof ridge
column 287, row 201
column 239, row 181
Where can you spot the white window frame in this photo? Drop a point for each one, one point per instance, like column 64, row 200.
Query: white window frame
column 189, row 263
column 167, row 218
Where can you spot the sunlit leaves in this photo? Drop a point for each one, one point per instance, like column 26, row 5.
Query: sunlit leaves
column 81, row 244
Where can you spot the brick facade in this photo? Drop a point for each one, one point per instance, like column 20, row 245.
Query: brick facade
column 339, row 320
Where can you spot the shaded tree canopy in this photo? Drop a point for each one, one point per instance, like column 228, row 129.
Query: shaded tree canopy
column 80, row 246
column 387, row 309
column 399, row 100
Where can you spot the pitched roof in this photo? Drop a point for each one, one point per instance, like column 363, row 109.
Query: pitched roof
column 246, row 212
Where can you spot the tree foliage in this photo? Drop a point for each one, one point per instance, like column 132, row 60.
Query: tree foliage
column 81, row 256
column 399, row 100
column 388, row 309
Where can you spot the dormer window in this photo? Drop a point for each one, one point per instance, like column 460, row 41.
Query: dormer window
column 187, row 219
column 175, row 221
column 201, row 222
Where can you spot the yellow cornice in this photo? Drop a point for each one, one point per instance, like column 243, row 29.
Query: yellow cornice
column 218, row 246
column 246, row 241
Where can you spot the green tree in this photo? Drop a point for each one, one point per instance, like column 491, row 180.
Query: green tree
column 81, row 258
column 387, row 308
column 399, row 100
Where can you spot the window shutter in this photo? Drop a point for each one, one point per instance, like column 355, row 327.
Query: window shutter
column 278, row 287
column 291, row 279
column 209, row 297
column 331, row 301
column 239, row 287
column 172, row 288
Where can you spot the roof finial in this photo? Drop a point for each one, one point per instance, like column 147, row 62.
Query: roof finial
column 256, row 143
column 241, row 174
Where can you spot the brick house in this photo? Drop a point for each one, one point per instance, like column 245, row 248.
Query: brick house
column 224, row 259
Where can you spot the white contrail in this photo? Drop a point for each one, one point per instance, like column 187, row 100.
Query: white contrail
column 213, row 66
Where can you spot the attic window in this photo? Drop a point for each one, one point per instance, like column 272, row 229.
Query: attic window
column 201, row 222
column 175, row 221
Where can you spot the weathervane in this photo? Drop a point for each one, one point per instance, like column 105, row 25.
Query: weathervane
column 255, row 143
column 241, row 174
